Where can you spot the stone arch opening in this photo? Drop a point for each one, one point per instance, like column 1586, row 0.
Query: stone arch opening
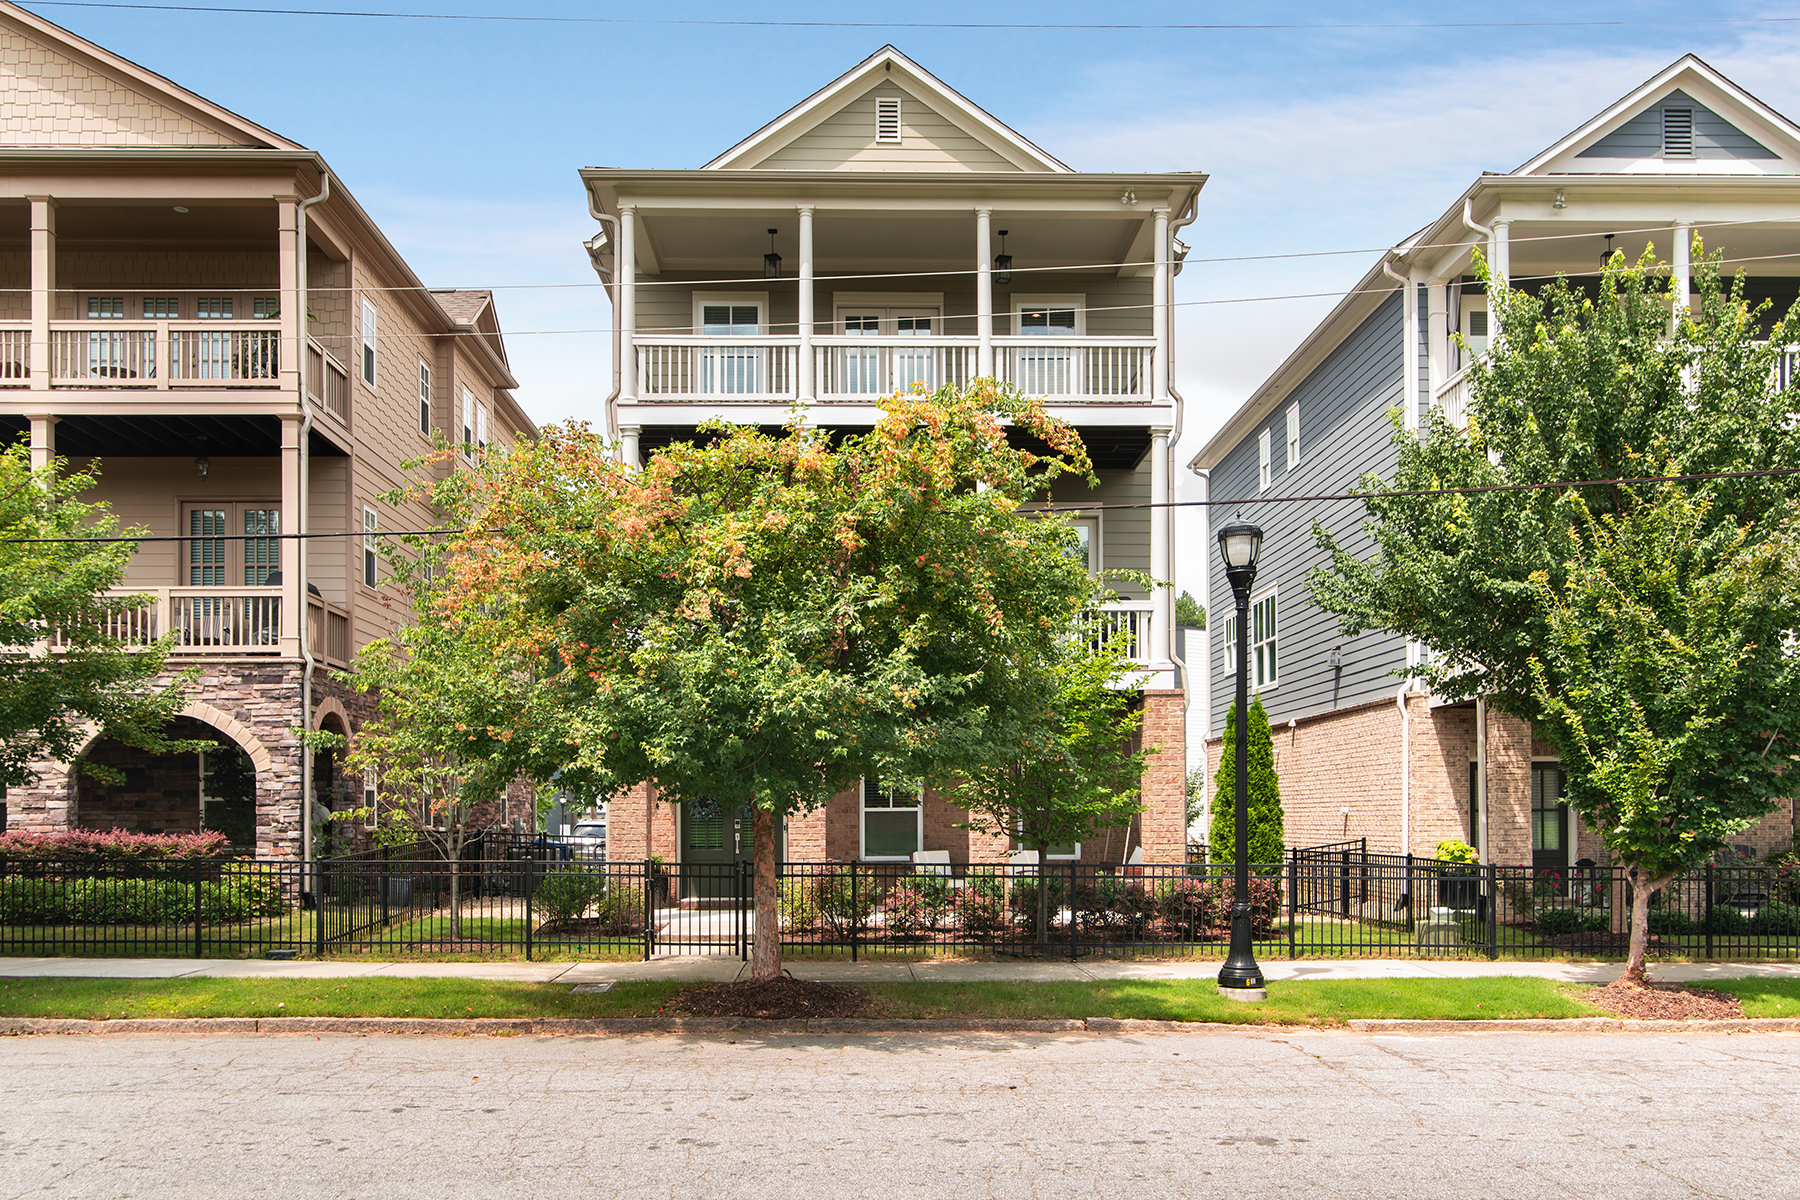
column 183, row 792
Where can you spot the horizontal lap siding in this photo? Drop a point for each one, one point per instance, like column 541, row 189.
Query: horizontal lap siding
column 846, row 139
column 1124, row 532
column 1344, row 431
column 1642, row 136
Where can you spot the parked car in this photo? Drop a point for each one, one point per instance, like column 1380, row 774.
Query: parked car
column 587, row 840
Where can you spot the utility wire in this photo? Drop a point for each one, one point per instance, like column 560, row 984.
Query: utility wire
column 1051, row 507
column 1216, row 26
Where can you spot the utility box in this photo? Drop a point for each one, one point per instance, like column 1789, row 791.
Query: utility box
column 1439, row 931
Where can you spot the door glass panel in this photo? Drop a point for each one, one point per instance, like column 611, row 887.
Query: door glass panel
column 1549, row 818
column 1046, row 370
column 705, row 825
column 262, row 552
column 859, row 370
column 206, row 552
column 915, row 366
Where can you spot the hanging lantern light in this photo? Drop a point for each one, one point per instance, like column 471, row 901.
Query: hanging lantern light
column 771, row 260
column 1003, row 262
column 1606, row 255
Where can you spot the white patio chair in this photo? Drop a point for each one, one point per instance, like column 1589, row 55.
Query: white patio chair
column 931, row 862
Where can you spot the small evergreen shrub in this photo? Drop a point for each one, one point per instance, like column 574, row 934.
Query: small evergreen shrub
column 979, row 915
column 565, row 896
column 1728, row 920
column 1777, row 920
column 1670, row 922
column 88, row 847
column 1555, row 921
column 1268, row 844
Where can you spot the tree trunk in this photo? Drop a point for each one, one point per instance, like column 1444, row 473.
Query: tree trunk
column 765, row 946
column 453, row 840
column 1641, row 892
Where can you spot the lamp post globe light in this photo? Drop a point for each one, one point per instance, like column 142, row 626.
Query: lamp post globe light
column 1240, row 545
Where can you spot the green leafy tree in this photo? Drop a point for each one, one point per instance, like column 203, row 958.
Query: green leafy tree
column 65, row 671
column 1268, row 842
column 755, row 620
column 1532, row 598
column 1188, row 612
column 1075, row 772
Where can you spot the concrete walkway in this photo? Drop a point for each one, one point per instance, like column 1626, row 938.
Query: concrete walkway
column 706, row 968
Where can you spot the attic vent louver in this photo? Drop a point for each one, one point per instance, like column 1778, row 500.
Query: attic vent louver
column 1678, row 132
column 887, row 118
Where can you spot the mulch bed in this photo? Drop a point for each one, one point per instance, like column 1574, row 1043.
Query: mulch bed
column 1665, row 1002
column 783, row 999
column 1606, row 942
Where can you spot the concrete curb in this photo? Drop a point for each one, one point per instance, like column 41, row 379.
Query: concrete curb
column 629, row 1026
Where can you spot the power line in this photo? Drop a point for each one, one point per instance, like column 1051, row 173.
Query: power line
column 1051, row 507
column 1203, row 27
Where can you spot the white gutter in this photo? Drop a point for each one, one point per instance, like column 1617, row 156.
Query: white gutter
column 299, row 522
column 610, row 407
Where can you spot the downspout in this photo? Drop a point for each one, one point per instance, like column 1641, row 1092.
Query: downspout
column 1405, row 779
column 1409, row 342
column 612, row 419
column 1468, row 218
column 1481, row 777
column 300, row 519
column 1181, row 668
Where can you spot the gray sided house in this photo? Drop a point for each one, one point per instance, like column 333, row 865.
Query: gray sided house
column 1361, row 754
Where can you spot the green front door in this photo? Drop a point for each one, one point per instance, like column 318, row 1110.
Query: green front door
column 715, row 839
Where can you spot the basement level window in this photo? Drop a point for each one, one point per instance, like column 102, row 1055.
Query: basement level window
column 887, row 118
column 1678, row 132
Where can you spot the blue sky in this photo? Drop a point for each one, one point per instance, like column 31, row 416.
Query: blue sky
column 462, row 137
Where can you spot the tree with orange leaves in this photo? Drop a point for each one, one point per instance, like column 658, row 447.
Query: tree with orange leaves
column 756, row 620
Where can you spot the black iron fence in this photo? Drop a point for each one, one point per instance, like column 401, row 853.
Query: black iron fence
column 523, row 896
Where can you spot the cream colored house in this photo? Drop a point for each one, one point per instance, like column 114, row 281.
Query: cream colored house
column 882, row 234
column 197, row 303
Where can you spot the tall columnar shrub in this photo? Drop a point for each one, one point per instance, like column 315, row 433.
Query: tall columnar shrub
column 1267, row 839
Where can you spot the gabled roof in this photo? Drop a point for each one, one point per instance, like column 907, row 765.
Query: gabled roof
column 887, row 66
column 1757, row 126
column 81, row 93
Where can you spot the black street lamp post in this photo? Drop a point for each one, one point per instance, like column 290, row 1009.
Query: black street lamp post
column 1240, row 978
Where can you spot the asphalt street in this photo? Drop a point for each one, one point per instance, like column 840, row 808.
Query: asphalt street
column 1269, row 1113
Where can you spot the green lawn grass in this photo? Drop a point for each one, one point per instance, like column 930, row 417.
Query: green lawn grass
column 1311, row 1002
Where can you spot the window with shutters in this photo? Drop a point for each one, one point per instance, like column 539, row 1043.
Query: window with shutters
column 206, row 564
column 262, row 545
column 424, row 398
column 887, row 119
column 102, row 308
column 1293, row 435
column 217, row 556
column 265, row 308
column 368, row 344
column 1678, row 132
column 371, row 572
column 214, row 308
column 1264, row 464
column 730, row 320
column 162, row 308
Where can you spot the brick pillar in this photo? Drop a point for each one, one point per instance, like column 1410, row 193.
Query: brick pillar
column 806, row 836
column 1509, row 790
column 1164, row 821
column 626, row 835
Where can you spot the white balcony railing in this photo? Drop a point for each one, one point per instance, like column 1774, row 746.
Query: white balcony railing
column 15, row 356
column 205, row 620
column 1453, row 397
column 735, row 368
column 1087, row 368
column 327, row 382
column 161, row 354
column 845, row 367
column 1126, row 619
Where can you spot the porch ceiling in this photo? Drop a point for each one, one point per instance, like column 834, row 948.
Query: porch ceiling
column 160, row 436
column 1545, row 248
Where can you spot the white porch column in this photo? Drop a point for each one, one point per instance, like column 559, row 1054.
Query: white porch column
column 628, row 445
column 984, row 292
column 1681, row 274
column 43, row 287
column 1159, row 320
column 1500, row 251
column 625, row 269
column 293, row 588
column 43, row 439
column 1437, row 344
column 293, row 321
column 1162, row 610
column 808, row 383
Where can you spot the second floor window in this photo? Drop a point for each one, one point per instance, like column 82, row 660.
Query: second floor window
column 368, row 343
column 1264, row 463
column 102, row 308
column 424, row 399
column 1293, row 435
column 162, row 308
column 371, row 564
column 216, row 308
column 468, row 421
column 724, row 320
column 1229, row 644
column 1262, row 642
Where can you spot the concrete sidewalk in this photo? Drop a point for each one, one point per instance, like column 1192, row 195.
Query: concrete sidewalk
column 721, row 968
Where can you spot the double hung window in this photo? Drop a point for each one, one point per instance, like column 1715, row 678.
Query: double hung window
column 1264, row 463
column 1262, row 642
column 369, row 341
column 424, row 399
column 371, row 560
column 892, row 820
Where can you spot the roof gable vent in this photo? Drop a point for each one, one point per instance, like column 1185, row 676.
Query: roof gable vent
column 1678, row 132
column 887, row 118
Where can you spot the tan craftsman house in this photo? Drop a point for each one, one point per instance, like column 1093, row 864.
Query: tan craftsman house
column 198, row 305
column 886, row 233
column 1362, row 752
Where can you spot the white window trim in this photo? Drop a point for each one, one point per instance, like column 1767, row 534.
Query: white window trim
column 1265, row 465
column 371, row 797
column 1074, row 300
column 481, row 426
column 760, row 299
column 1293, row 434
column 1258, row 598
column 1227, row 643
column 425, row 389
column 862, row 825
column 371, row 563
column 467, row 441
column 369, row 335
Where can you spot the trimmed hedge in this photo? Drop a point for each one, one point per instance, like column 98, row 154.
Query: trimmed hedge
column 136, row 901
column 86, row 847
